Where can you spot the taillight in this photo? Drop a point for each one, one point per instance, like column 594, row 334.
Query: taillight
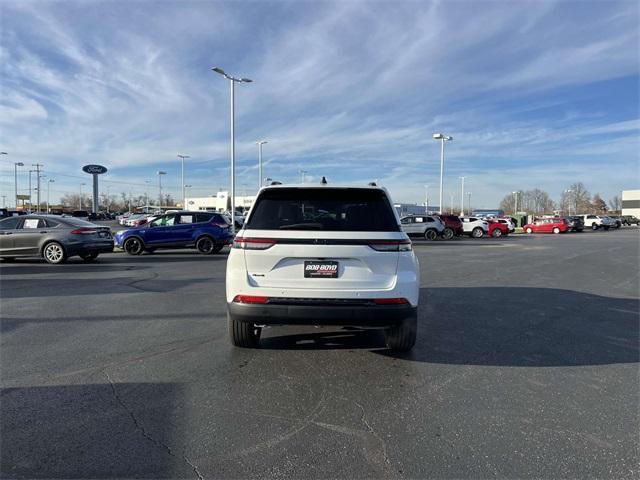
column 250, row 299
column 391, row 245
column 253, row 243
column 84, row 231
column 391, row 301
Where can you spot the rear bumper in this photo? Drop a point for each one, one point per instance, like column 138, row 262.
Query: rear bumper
column 373, row 316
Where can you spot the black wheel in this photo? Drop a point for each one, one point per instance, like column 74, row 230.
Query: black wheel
column 243, row 334
column 54, row 253
column 206, row 245
column 448, row 233
column 89, row 257
column 133, row 246
column 556, row 230
column 594, row 226
column 496, row 233
column 430, row 234
column 477, row 232
column 402, row 337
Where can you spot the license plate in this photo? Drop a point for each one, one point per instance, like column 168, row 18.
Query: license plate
column 320, row 269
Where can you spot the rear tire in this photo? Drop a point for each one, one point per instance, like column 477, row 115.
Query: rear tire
column 496, row 233
column 243, row 334
column 206, row 245
column 133, row 246
column 430, row 235
column 477, row 232
column 594, row 227
column 54, row 253
column 529, row 230
column 556, row 230
column 402, row 337
column 448, row 234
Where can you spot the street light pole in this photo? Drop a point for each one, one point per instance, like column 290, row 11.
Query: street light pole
column 15, row 173
column 260, row 180
column 451, row 209
column 443, row 138
column 426, row 200
column 469, row 203
column 37, row 170
column 462, row 198
column 182, row 157
column 51, row 180
column 160, row 173
column 233, row 81
column 515, row 202
column 30, row 201
column 81, row 195
column 302, row 175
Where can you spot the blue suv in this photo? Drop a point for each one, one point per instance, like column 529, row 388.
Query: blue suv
column 209, row 232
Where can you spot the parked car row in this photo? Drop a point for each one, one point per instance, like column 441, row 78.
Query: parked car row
column 447, row 227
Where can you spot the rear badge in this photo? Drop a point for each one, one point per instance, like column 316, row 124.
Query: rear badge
column 320, row 269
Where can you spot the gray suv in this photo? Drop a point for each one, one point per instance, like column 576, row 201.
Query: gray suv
column 53, row 238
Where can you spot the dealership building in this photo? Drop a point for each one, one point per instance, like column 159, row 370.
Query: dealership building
column 631, row 202
column 220, row 202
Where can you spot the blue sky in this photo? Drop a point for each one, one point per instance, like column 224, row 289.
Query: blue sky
column 535, row 94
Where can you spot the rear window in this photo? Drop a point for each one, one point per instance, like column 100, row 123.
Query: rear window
column 327, row 209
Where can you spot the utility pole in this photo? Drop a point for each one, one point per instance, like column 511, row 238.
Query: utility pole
column 30, row 197
column 462, row 198
column 302, row 175
column 38, row 165
column 426, row 199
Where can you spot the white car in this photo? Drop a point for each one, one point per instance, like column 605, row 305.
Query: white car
column 323, row 255
column 425, row 226
column 595, row 221
column 474, row 227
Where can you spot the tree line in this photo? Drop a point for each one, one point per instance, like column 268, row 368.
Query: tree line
column 114, row 203
column 575, row 199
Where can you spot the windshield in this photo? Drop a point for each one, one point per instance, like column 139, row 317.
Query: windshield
column 328, row 209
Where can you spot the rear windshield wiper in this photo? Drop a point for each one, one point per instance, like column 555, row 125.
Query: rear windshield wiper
column 302, row 226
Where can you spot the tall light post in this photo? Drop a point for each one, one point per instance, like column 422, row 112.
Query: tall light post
column 160, row 173
column 302, row 175
column 451, row 209
column 260, row 180
column 30, row 201
column 15, row 178
column 80, row 202
column 426, row 199
column 462, row 198
column 232, row 80
column 569, row 201
column 469, row 202
column 443, row 138
column 515, row 202
column 182, row 157
column 146, row 195
column 37, row 170
column 51, row 180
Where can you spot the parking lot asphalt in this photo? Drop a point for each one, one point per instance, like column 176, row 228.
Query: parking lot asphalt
column 526, row 366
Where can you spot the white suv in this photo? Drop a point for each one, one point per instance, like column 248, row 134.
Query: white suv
column 423, row 225
column 323, row 255
column 596, row 221
column 474, row 227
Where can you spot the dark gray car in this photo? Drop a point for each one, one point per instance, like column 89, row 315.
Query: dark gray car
column 53, row 238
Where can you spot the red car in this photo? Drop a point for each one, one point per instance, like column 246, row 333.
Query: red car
column 547, row 225
column 497, row 229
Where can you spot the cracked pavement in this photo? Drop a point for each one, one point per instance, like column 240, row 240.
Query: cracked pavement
column 526, row 366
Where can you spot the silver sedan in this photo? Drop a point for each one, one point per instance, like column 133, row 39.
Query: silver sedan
column 52, row 237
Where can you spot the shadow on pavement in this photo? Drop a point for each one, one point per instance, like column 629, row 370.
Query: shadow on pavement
column 501, row 326
column 119, row 430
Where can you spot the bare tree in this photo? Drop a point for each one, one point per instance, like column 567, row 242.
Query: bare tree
column 598, row 204
column 615, row 204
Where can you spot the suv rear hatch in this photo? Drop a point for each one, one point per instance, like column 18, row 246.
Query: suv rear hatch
column 322, row 238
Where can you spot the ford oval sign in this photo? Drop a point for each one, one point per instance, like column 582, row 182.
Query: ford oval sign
column 94, row 169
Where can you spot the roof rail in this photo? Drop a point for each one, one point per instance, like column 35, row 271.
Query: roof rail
column 373, row 184
column 276, row 183
column 323, row 181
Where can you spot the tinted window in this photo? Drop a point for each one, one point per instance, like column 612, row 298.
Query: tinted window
column 204, row 217
column 51, row 223
column 9, row 223
column 329, row 209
